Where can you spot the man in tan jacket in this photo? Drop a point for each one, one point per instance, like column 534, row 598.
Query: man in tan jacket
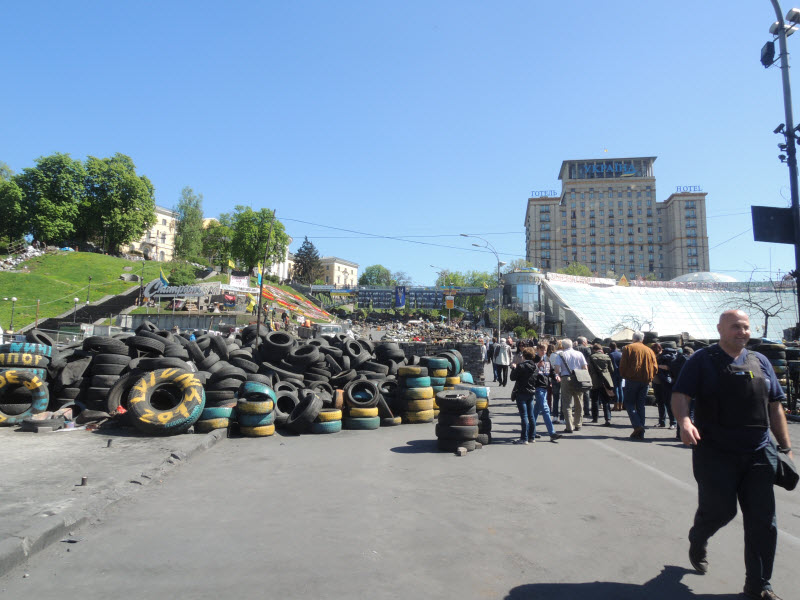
column 637, row 367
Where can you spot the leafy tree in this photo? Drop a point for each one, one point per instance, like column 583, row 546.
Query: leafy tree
column 401, row 278
column 12, row 207
column 5, row 172
column 576, row 268
column 376, row 275
column 216, row 242
column 307, row 267
column 189, row 233
column 250, row 232
column 181, row 273
column 53, row 191
column 119, row 204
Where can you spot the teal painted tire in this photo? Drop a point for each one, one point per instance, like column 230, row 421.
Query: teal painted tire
column 436, row 381
column 326, row 427
column 40, row 396
column 434, row 362
column 466, row 377
column 154, row 421
column 252, row 390
column 361, row 422
column 26, row 348
column 437, row 389
column 255, row 420
column 417, row 382
column 217, row 412
column 480, row 391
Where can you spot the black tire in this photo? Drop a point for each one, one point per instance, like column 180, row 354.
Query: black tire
column 118, row 394
column 304, row 413
column 244, row 364
column 331, row 351
column 220, row 396
column 40, row 337
column 361, row 394
column 176, row 351
column 332, row 364
column 385, row 351
column 285, row 403
column 456, row 432
column 303, row 356
column 453, row 445
column 374, row 367
column 227, row 371
column 340, row 380
column 69, row 392
column 110, row 359
column 195, row 353
column 285, row 386
column 224, row 384
column 104, row 345
column 150, row 418
column 209, row 361
column 484, row 438
column 154, row 364
column 220, row 347
column 277, row 344
column 105, row 381
column 448, row 419
column 455, row 402
column 146, row 344
column 265, row 379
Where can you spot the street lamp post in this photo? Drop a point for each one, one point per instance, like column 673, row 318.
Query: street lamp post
column 89, row 289
column 500, row 263
column 75, row 312
column 11, row 325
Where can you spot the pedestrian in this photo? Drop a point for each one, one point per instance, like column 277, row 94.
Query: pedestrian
column 501, row 359
column 738, row 401
column 567, row 361
column 582, row 346
column 518, row 357
column 490, row 357
column 616, row 355
column 662, row 384
column 554, row 394
column 600, row 368
column 531, row 378
column 637, row 366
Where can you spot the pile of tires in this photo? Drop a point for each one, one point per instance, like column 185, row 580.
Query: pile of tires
column 416, row 395
column 361, row 398
column 329, row 420
column 778, row 354
column 458, row 421
column 255, row 409
column 482, row 407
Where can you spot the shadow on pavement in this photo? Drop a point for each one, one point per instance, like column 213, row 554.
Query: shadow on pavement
column 666, row 586
column 417, row 447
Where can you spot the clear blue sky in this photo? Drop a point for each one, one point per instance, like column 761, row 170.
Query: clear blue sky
column 417, row 119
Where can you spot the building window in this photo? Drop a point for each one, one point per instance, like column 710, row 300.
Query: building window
column 163, row 221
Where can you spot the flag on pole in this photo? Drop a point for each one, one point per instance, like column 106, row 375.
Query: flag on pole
column 260, row 271
column 163, row 277
column 485, row 285
column 231, row 264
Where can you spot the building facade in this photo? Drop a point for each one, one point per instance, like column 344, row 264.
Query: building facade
column 158, row 242
column 340, row 272
column 607, row 217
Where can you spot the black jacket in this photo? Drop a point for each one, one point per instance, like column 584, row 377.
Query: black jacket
column 528, row 377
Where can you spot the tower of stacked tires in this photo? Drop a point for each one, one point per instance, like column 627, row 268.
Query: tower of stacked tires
column 255, row 409
column 361, row 398
column 329, row 420
column 482, row 409
column 415, row 394
column 457, row 425
column 437, row 368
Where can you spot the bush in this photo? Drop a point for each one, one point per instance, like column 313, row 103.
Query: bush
column 519, row 332
column 181, row 273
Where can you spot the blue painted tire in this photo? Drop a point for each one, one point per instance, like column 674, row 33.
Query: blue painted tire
column 326, row 427
column 253, row 390
column 40, row 397
column 216, row 412
column 26, row 348
column 415, row 382
column 255, row 420
column 466, row 377
column 436, row 381
column 434, row 362
column 361, row 422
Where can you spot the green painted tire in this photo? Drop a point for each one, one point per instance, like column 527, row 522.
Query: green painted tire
column 417, row 382
column 361, row 423
column 326, row 427
column 216, row 412
column 257, row 420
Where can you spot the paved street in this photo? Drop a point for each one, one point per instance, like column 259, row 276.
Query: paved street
column 382, row 514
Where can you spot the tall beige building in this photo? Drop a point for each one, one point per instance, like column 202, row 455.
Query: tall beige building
column 607, row 218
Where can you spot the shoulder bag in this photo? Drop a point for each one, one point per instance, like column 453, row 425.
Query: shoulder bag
column 580, row 379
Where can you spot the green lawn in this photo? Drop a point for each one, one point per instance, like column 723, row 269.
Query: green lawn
column 55, row 279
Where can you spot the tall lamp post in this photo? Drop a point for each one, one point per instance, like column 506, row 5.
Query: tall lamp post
column 75, row 312
column 446, row 274
column 500, row 263
column 11, row 323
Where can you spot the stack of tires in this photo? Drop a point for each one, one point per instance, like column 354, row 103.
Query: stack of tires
column 329, row 420
column 457, row 425
column 361, row 398
column 255, row 409
column 482, row 406
column 415, row 394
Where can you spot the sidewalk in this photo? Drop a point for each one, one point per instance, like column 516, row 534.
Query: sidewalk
column 41, row 499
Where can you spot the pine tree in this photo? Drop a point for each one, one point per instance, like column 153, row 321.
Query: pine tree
column 307, row 266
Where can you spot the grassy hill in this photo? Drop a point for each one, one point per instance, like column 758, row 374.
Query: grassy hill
column 56, row 279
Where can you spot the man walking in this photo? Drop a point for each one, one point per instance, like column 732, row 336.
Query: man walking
column 616, row 356
column 637, row 366
column 565, row 362
column 738, row 401
column 501, row 359
column 583, row 348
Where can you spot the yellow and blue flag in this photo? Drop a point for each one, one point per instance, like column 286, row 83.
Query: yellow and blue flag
column 260, row 271
column 163, row 277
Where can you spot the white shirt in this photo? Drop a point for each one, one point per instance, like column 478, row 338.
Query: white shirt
column 574, row 360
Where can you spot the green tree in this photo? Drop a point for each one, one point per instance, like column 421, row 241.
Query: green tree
column 119, row 204
column 217, row 243
column 189, row 232
column 401, row 278
column 12, row 207
column 576, row 268
column 376, row 275
column 53, row 191
column 5, row 172
column 181, row 273
column 307, row 267
column 250, row 231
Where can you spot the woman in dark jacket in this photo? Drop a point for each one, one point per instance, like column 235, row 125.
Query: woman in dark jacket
column 532, row 378
column 662, row 385
column 601, row 369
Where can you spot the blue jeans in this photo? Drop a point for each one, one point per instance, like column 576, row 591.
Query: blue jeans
column 722, row 478
column 635, row 398
column 540, row 408
column 526, row 417
column 618, row 391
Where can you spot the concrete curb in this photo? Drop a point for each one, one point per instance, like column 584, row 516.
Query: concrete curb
column 16, row 549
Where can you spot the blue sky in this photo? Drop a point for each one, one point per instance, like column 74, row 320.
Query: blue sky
column 416, row 120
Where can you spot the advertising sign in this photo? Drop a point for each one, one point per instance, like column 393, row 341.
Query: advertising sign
column 400, row 296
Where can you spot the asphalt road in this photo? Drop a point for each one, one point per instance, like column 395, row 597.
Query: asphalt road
column 382, row 514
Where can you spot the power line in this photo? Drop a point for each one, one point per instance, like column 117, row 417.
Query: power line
column 732, row 238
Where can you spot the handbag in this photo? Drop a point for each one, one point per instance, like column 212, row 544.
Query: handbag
column 786, row 475
column 579, row 380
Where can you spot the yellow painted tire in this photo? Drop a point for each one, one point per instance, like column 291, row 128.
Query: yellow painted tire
column 452, row 380
column 262, row 431
column 423, row 416
column 255, row 407
column 413, row 371
column 418, row 393
column 330, row 414
column 420, row 405
column 207, row 425
column 482, row 404
column 439, row 373
column 362, row 413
